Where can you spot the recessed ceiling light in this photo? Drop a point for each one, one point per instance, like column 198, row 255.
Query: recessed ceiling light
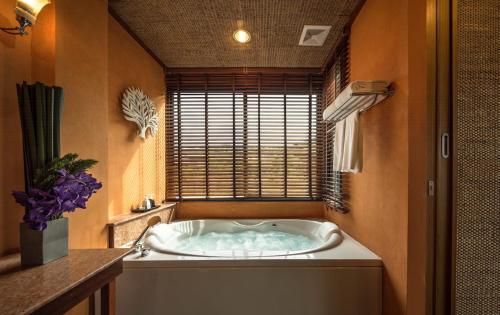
column 241, row 36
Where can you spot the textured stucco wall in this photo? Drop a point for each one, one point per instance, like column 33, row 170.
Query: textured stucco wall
column 136, row 167
column 388, row 200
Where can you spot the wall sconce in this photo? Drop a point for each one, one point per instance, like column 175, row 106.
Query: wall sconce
column 26, row 14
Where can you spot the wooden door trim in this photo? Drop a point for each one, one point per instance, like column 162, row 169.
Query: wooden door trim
column 440, row 220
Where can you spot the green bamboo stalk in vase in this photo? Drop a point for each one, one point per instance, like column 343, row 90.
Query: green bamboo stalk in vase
column 26, row 157
column 58, row 107
column 49, row 127
column 40, row 125
column 40, row 110
column 29, row 136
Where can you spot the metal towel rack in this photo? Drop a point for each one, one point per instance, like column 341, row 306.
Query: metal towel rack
column 358, row 101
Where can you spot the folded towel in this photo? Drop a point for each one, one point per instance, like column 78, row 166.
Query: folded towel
column 326, row 229
column 355, row 87
column 369, row 86
column 157, row 231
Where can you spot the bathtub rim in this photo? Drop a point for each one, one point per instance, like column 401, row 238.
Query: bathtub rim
column 332, row 241
column 349, row 253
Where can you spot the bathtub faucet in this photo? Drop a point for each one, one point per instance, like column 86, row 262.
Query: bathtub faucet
column 139, row 243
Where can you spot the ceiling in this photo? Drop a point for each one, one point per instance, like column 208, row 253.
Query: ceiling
column 198, row 33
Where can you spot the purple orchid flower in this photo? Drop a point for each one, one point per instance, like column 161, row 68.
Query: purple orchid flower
column 69, row 192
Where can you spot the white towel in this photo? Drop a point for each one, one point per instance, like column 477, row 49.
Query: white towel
column 355, row 87
column 352, row 158
column 326, row 229
column 348, row 145
column 338, row 145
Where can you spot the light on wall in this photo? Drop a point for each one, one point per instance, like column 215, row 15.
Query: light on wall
column 26, row 14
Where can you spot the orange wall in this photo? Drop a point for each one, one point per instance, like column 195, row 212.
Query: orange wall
column 15, row 66
column 249, row 209
column 136, row 167
column 43, row 46
column 81, row 69
column 21, row 58
column 93, row 59
column 53, row 53
column 388, row 199
column 379, row 195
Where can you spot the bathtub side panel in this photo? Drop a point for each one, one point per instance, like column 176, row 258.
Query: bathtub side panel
column 250, row 291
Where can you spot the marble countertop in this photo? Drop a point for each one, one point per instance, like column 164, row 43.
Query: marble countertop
column 25, row 289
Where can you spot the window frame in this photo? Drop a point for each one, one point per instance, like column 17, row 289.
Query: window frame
column 174, row 140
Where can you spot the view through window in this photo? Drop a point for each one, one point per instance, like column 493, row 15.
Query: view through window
column 244, row 137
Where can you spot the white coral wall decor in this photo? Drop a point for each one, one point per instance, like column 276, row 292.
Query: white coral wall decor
column 139, row 108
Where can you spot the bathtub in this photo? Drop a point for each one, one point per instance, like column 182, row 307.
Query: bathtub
column 335, row 275
column 243, row 238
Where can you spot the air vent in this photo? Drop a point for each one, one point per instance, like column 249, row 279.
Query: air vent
column 314, row 35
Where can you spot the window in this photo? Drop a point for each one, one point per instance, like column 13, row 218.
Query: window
column 336, row 79
column 244, row 136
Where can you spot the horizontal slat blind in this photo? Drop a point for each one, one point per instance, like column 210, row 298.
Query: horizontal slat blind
column 336, row 79
column 244, row 136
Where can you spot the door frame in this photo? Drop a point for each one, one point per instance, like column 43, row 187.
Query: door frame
column 441, row 91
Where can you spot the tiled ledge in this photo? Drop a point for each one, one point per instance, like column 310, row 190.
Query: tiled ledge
column 125, row 228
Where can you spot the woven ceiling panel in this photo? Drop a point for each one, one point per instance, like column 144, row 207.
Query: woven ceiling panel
column 198, row 33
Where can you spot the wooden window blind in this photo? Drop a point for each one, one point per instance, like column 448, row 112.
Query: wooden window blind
column 244, row 136
column 336, row 79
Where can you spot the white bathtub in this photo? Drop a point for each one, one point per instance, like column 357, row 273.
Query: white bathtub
column 342, row 278
column 167, row 238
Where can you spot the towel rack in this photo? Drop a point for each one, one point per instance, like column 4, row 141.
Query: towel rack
column 361, row 101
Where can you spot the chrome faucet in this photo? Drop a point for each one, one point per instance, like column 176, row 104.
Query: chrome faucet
column 139, row 243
